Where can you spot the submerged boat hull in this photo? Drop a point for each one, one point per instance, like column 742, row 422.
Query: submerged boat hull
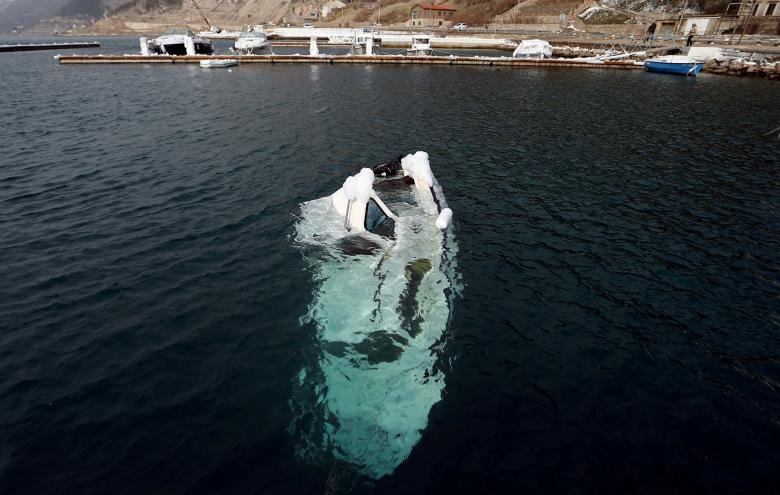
column 380, row 308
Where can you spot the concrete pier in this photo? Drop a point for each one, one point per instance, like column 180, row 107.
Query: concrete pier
column 347, row 59
column 48, row 46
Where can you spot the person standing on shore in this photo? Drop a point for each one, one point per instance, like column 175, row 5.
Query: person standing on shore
column 650, row 32
column 691, row 34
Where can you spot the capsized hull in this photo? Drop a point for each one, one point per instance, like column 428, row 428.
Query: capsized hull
column 176, row 44
column 181, row 49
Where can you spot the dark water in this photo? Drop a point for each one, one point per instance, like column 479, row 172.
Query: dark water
column 618, row 236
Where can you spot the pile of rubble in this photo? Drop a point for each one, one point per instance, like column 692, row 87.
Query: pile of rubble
column 740, row 67
column 576, row 51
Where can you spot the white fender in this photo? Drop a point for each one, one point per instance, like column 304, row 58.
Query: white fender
column 445, row 218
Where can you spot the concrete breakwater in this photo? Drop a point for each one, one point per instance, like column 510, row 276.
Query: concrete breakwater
column 737, row 67
column 47, row 46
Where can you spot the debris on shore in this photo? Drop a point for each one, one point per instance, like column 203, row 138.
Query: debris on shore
column 745, row 68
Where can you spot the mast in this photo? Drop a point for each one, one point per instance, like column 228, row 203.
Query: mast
column 208, row 24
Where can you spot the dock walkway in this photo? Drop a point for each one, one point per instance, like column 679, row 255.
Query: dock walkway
column 346, row 59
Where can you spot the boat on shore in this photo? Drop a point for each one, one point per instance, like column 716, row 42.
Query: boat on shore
column 177, row 42
column 218, row 63
column 682, row 65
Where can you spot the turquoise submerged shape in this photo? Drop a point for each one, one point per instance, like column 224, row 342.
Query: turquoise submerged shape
column 379, row 316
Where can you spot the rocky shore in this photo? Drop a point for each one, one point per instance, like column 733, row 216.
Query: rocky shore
column 738, row 67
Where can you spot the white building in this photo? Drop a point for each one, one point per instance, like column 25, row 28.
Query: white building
column 766, row 8
column 329, row 7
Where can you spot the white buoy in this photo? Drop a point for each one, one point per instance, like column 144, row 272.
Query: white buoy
column 313, row 50
column 144, row 47
column 370, row 45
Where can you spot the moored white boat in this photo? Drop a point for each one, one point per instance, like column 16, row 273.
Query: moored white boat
column 421, row 45
column 251, row 42
column 533, row 49
column 366, row 43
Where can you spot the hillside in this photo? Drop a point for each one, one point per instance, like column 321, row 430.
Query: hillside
column 218, row 12
column 135, row 14
column 472, row 12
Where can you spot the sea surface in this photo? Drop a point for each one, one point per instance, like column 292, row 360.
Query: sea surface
column 617, row 329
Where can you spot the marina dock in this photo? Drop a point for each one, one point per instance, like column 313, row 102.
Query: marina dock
column 347, row 59
column 47, row 46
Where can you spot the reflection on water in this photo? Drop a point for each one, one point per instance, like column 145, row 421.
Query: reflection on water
column 314, row 73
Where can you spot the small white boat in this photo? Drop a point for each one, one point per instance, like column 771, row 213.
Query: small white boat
column 217, row 63
column 533, row 49
column 251, row 42
column 421, row 46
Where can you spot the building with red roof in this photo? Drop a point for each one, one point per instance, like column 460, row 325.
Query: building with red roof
column 431, row 15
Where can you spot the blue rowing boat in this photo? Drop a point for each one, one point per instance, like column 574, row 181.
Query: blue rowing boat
column 674, row 64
